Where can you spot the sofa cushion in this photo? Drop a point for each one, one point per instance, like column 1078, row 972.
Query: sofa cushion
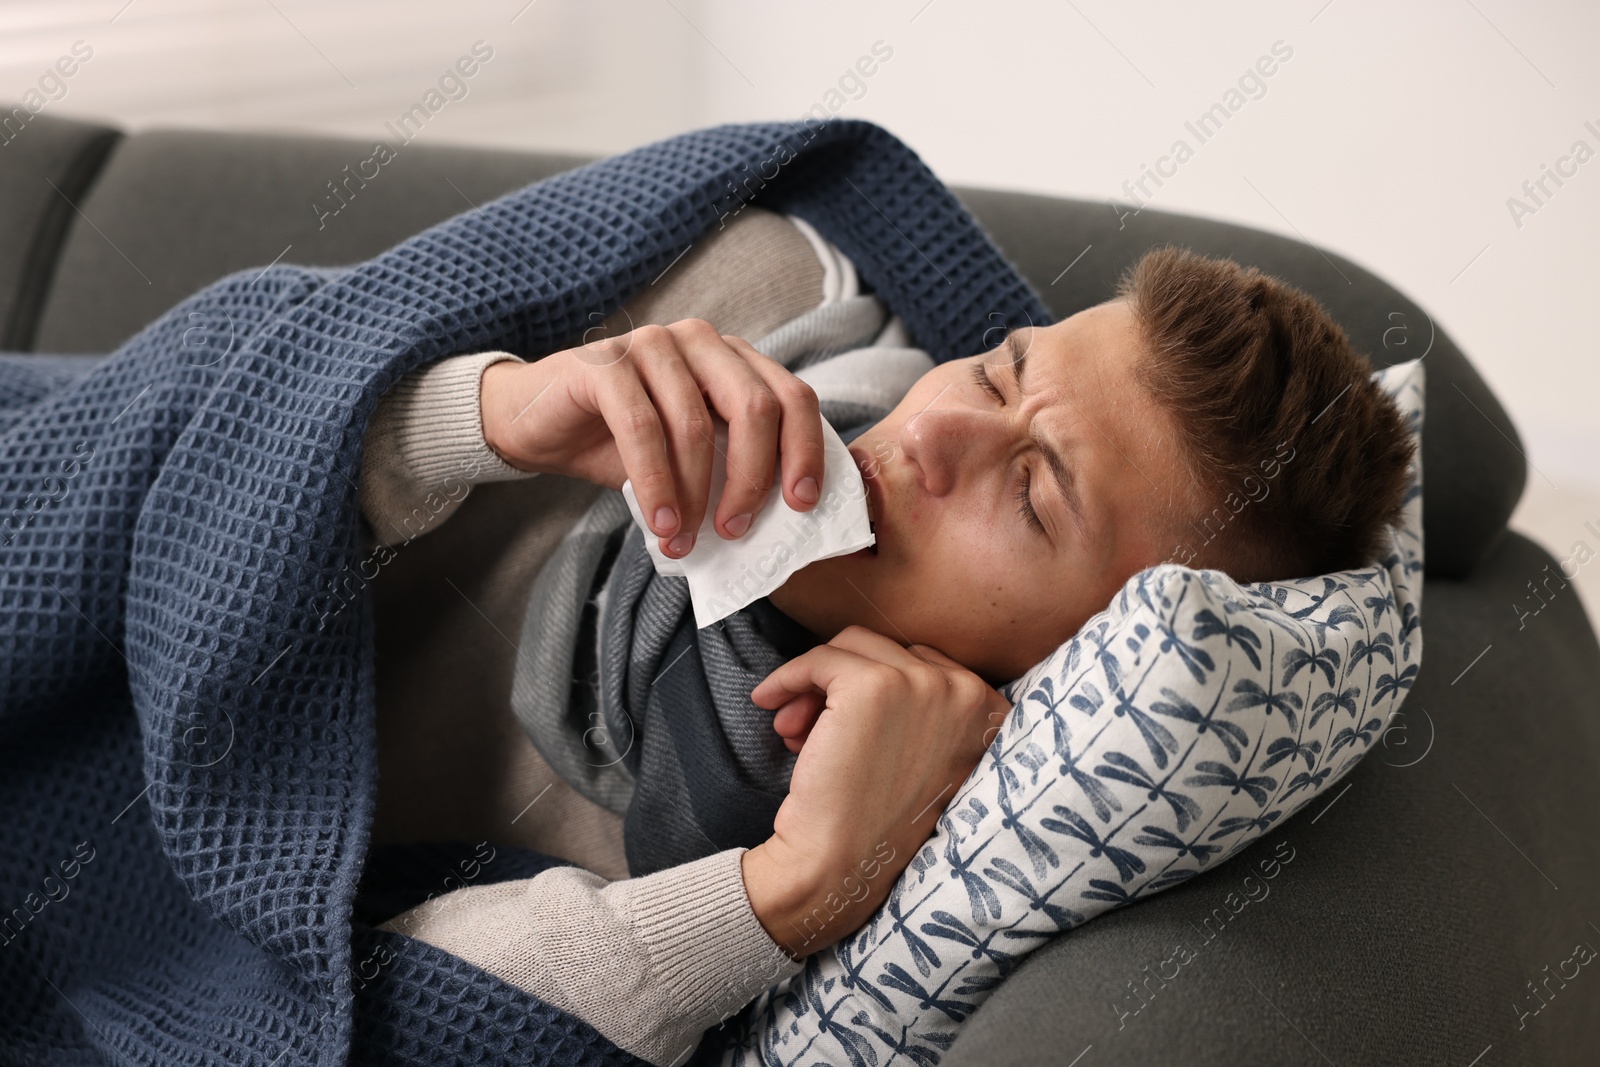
column 174, row 210
column 46, row 164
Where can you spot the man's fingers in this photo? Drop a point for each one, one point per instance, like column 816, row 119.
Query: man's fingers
column 753, row 414
column 689, row 434
column 655, row 403
column 869, row 643
column 812, row 671
column 799, row 430
column 929, row 654
column 796, row 717
column 630, row 414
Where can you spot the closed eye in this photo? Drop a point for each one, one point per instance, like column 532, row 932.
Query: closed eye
column 980, row 371
column 1024, row 492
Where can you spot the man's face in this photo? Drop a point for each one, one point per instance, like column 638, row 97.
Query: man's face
column 960, row 563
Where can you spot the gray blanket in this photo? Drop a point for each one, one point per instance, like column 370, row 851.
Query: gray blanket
column 640, row 711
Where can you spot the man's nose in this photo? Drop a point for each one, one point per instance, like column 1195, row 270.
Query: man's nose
column 951, row 442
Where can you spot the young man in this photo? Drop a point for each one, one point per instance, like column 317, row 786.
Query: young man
column 1013, row 492
column 1016, row 490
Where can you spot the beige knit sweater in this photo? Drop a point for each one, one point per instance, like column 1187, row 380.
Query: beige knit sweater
column 650, row 962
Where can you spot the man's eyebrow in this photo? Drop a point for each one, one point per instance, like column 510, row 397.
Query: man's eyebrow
column 1052, row 456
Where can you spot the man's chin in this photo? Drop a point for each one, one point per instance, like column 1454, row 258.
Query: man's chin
column 826, row 594
column 818, row 574
column 835, row 585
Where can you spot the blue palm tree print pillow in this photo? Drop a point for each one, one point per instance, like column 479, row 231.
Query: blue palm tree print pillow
column 1180, row 724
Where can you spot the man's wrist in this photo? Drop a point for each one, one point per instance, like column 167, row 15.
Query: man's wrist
column 804, row 905
column 780, row 889
column 496, row 395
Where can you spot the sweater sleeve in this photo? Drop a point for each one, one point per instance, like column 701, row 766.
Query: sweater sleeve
column 649, row 962
column 424, row 449
column 424, row 446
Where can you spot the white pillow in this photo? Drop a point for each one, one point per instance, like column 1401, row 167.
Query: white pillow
column 1181, row 723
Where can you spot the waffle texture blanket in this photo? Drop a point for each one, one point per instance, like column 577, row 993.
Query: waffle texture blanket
column 187, row 750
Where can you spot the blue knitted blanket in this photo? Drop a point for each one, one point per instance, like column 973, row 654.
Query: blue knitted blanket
column 187, row 749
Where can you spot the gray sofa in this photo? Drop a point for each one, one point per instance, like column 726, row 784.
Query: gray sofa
column 1427, row 912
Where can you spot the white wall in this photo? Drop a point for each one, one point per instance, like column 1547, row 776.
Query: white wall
column 1394, row 134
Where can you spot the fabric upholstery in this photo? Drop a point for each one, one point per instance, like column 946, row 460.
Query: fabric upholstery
column 46, row 166
column 174, row 210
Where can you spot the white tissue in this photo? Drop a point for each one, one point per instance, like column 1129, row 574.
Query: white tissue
column 725, row 576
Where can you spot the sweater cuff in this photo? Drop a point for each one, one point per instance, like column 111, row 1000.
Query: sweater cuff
column 424, row 449
column 437, row 430
column 705, row 943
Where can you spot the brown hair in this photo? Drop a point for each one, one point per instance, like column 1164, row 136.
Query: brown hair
column 1300, row 457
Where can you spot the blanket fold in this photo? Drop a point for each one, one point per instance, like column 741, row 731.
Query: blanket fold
column 188, row 753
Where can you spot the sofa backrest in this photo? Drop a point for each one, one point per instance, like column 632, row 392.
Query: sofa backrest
column 174, row 210
column 46, row 166
column 155, row 216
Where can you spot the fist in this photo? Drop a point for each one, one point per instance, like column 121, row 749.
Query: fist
column 886, row 735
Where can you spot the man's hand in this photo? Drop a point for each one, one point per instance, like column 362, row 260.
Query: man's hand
column 634, row 408
column 889, row 736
